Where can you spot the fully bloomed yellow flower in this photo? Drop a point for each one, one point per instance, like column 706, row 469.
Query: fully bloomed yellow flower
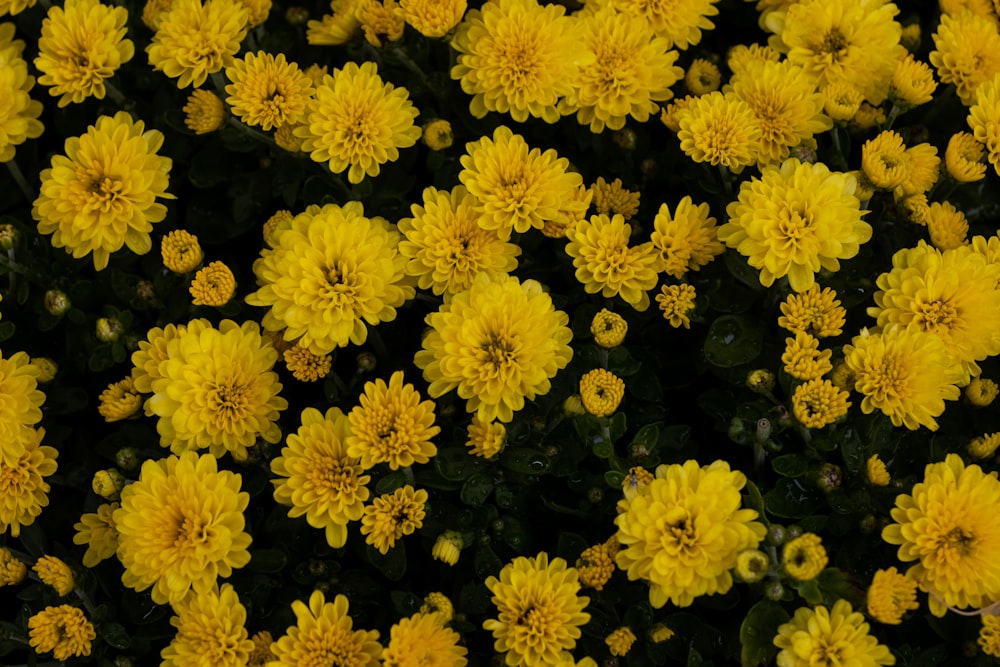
column 20, row 399
column 891, row 595
column 944, row 525
column 837, row 636
column 380, row 115
column 814, row 311
column 947, row 226
column 497, row 343
column 24, row 465
column 323, row 635
column 393, row 515
column 195, row 39
column 332, row 271
column 984, row 119
column 392, row 425
column 803, row 359
column 210, row 629
column 64, row 630
column 422, row 639
column 680, row 22
column 517, row 57
column 540, row 610
column 103, row 193
column 720, row 129
column 485, row 438
column 683, row 531
column 335, row 28
column 433, row 18
column 913, row 82
column 203, row 112
column 676, row 303
column 794, row 220
column 266, row 90
column 181, row 526
column 606, row 263
column 82, row 45
column 97, row 530
column 686, row 240
column 966, row 53
column 19, row 114
column 804, row 557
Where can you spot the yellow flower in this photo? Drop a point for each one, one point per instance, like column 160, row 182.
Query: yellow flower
column 193, row 40
column 687, row 240
column 445, row 245
column 47, row 368
column 316, row 477
column 217, row 390
column 258, row 11
column 989, row 635
column 153, row 9
column 108, row 483
column 152, row 351
column 596, row 564
column 676, row 303
column 601, row 392
column 381, row 21
column 804, row 557
column 181, row 251
column 683, row 531
column 752, row 565
column 20, row 399
column 64, row 630
column 24, row 465
column 631, row 70
column 422, row 639
column 570, row 213
column 891, row 595
column 876, row 471
column 638, row 478
column 213, row 285
column 620, row 641
column 203, row 112
column 883, row 160
column 966, row 53
column 984, row 119
column 702, row 77
column 285, row 138
column 680, row 23
column 605, row 263
column 392, row 425
column 540, row 611
column 981, row 392
column 608, row 329
column 819, row 402
column 670, row 116
column 261, row 653
column 788, row 108
column 721, row 130
column 439, row 605
column 842, row 100
column 913, row 82
column 56, row 574
column 741, row 56
column 14, row 7
column 517, row 57
column 813, row 311
column 324, row 635
column 497, row 343
column 613, row 199
column 437, row 134
column 393, row 515
column 485, row 438
column 822, row 636
column 12, row 570
column 964, row 158
column 82, row 45
column 332, row 271
column 911, row 36
column 266, row 90
column 181, row 526
column 102, row 194
column 803, row 359
column 516, row 187
column 357, row 97
column 795, row 220
column 947, row 226
column 306, row 366
column 660, row 633
column 210, row 629
column 852, row 40
column 868, row 116
column 448, row 547
column 433, row 18
column 941, row 525
column 922, row 171
column 98, row 531
column 336, row 28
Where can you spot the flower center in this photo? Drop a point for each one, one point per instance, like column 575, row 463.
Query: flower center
column 498, row 352
column 104, row 193
column 826, row 654
column 333, row 475
column 834, row 43
column 936, row 316
column 228, row 401
column 15, row 478
column 958, row 541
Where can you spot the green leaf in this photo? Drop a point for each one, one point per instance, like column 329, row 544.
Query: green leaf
column 6, row 330
column 790, row 465
column 622, row 363
column 733, row 340
column 392, row 564
column 391, row 482
column 477, row 489
column 486, row 562
column 758, row 631
column 618, row 426
column 809, row 590
column 268, row 560
column 456, row 464
column 614, row 479
column 524, row 460
column 647, row 436
column 115, row 635
column 676, row 436
column 789, row 499
column 570, row 546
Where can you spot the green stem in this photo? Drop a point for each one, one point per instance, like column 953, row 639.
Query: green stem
column 256, row 134
column 115, row 94
column 408, row 473
column 18, row 177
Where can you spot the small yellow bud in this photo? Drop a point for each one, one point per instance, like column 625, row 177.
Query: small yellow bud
column 437, row 135
column 109, row 329
column 108, row 484
column 47, row 369
column 448, row 547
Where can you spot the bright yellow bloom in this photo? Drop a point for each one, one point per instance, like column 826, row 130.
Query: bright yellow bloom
column 422, row 639
column 14, row 7
column 660, row 633
column 446, row 247
column 679, row 22
column 686, row 240
column 56, row 574
column 942, row 525
column 876, row 472
column 12, row 570
column 804, row 557
column 82, row 45
column 613, row 199
column 597, row 563
column 193, row 40
column 883, row 160
column 670, row 116
column 258, row 11
column 20, row 399
column 608, row 329
column 795, row 220
column 392, row 425
column 517, row 57
column 98, row 531
column 261, row 654
column 922, row 172
column 437, row 135
column 720, row 129
column 819, row 402
column 891, row 595
column 540, row 611
column 153, row 9
column 485, row 438
column 316, row 477
column 827, row 637
column 516, row 187
column 381, row 21
column 964, row 158
column 47, row 368
column 803, row 359
column 620, row 641
column 102, row 194
column 966, row 53
column 918, row 211
column 947, row 226
column 742, row 56
column 570, row 213
column 324, row 635
column 24, row 465
column 989, row 635
column 306, row 366
column 813, row 311
column 393, row 515
column 203, row 112
column 913, row 82
column 752, row 565
column 181, row 251
column 433, row 18
column 497, row 343
column 64, row 630
column 981, row 392
column 702, row 77
column 984, row 119
column 266, row 90
column 439, row 605
column 638, row 478
column 842, row 100
column 336, row 28
column 601, row 392
column 210, row 630
column 332, row 271
column 181, row 526
column 676, row 303
column 448, row 547
column 605, row 262
column 152, row 351
column 683, row 531
column 213, row 285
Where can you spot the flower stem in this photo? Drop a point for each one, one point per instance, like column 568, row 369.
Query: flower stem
column 256, row 134
column 18, row 177
column 115, row 94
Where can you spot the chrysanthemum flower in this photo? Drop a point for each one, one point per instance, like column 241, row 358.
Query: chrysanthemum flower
column 306, row 366
column 904, row 372
column 392, row 425
column 324, row 635
column 203, row 112
column 266, row 90
column 620, row 641
column 439, row 605
column 841, row 100
column 437, row 135
column 336, row 28
column 613, row 198
column 876, row 471
column 193, row 40
column 719, row 129
column 20, row 399
column 380, row 115
column 989, row 635
column 679, row 22
column 913, row 82
column 686, row 240
column 742, row 56
column 152, row 10
column 82, row 45
column 332, row 272
column 445, row 245
column 683, row 531
column 210, row 628
column 942, row 526
column 433, row 18
column 984, row 119
column 868, row 117
column 12, row 570
column 606, row 263
column 448, row 547
column 213, row 285
column 922, row 171
column 152, row 351
column 19, row 114
column 24, row 465
column 891, row 595
column 64, row 630
column 601, row 392
column 97, row 530
column 14, row 7
column 56, row 574
column 608, row 328
column 818, row 403
column 422, row 639
column 316, row 477
column 814, row 311
column 853, row 40
column 517, row 57
column 964, row 157
column 947, row 226
column 702, row 77
column 181, row 251
column 883, row 160
column 835, row 636
column 966, row 53
column 676, row 303
column 752, row 565
column 981, row 392
column 802, row 357
column 261, row 654
column 516, row 187
column 102, row 194
column 181, row 526
column 381, row 21
column 484, row 438
column 540, row 610
column 596, row 564
column 804, row 557
column 393, row 515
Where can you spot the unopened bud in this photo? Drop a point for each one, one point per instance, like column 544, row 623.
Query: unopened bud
column 108, row 484
column 108, row 329
column 448, row 547
column 774, row 590
column 56, row 302
column 829, row 477
column 626, row 139
column 47, row 369
column 573, row 406
column 145, row 291
column 8, row 236
column 127, row 458
column 760, row 380
column 367, row 361
column 297, row 15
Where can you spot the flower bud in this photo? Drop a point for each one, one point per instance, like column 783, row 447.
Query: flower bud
column 595, row 494
column 145, row 291
column 829, row 477
column 108, row 484
column 760, row 380
column 437, row 134
column 774, row 590
column 127, row 458
column 448, row 547
column 763, row 431
column 8, row 236
column 775, row 534
column 56, row 302
column 573, row 406
column 47, row 369
column 367, row 362
column 752, row 565
column 626, row 139
column 108, row 329
column 737, row 431
column 297, row 15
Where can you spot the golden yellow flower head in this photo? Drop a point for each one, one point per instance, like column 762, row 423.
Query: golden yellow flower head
column 438, row 604
column 752, row 565
column 108, row 484
column 203, row 112
column 818, row 403
column 989, row 635
column 64, row 630
column 82, row 45
column 381, row 20
column 437, row 134
column 841, row 100
column 20, row 398
column 448, row 547
column 720, row 129
column 876, row 472
column 608, row 328
column 966, row 52
column 540, row 610
column 620, row 641
column 596, row 564
column 670, row 116
column 433, row 18
column 266, row 90
column 98, row 531
column 677, row 302
column 923, row 170
column 680, row 23
column 964, row 158
column 213, row 285
column 102, row 194
column 742, row 55
column 702, row 77
column 981, row 392
column 195, row 39
column 422, row 639
column 984, row 119
column 24, row 465
column 212, row 624
column 839, row 631
column 47, row 369
column 119, row 401
column 393, row 515
column 868, row 117
column 913, row 82
column 891, row 595
column 285, row 138
column 12, row 570
column 56, row 574
column 947, row 226
column 306, row 366
column 613, row 198
column 152, row 10
column 637, row 479
column 804, row 557
column 280, row 221
column 485, row 438
column 686, row 240
column 258, row 11
column 606, row 263
column 601, row 392
column 335, row 28
column 814, row 311
column 323, row 633
column 802, row 357
column 14, row 7
column 883, row 160
column 660, row 633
